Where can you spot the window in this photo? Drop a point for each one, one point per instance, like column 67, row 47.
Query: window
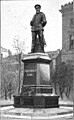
column 71, row 41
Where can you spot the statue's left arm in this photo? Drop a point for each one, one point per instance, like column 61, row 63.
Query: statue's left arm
column 44, row 21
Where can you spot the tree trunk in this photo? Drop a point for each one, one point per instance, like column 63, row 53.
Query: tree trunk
column 19, row 72
column 10, row 95
column 10, row 91
column 5, row 94
column 61, row 93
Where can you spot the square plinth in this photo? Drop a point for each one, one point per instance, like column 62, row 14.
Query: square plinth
column 36, row 101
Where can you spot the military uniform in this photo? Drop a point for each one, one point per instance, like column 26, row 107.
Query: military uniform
column 37, row 27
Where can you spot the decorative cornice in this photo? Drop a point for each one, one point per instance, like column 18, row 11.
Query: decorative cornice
column 67, row 7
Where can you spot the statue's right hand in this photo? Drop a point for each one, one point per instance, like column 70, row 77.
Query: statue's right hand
column 31, row 23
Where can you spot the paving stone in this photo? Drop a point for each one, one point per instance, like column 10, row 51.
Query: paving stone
column 36, row 114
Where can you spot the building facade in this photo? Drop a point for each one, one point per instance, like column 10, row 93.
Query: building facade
column 55, row 57
column 67, row 54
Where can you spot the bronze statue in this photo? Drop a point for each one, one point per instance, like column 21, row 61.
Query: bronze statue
column 37, row 27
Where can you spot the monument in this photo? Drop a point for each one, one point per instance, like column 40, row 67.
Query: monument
column 37, row 91
column 37, row 27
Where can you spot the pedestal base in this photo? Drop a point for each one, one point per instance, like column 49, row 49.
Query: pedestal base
column 36, row 101
column 36, row 91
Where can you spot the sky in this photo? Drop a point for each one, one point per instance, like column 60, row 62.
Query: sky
column 15, row 23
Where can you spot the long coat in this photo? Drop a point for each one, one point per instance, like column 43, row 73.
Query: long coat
column 38, row 22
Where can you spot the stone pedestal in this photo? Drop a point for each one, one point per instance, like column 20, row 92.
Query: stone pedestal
column 36, row 69
column 36, row 90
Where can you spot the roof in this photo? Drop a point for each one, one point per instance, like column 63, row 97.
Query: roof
column 53, row 54
column 4, row 49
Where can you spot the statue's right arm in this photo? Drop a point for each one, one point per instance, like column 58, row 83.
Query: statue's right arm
column 31, row 23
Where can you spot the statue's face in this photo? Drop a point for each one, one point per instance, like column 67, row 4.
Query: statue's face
column 37, row 10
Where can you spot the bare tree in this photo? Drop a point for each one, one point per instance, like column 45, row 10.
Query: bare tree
column 19, row 46
column 8, row 80
column 63, row 79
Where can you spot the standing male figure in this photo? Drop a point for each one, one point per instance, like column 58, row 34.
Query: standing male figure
column 38, row 22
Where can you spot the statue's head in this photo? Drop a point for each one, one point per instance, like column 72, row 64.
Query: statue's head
column 37, row 7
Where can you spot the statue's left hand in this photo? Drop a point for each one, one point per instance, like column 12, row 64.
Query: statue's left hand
column 43, row 24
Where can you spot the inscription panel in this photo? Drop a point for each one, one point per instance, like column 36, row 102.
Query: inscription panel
column 29, row 74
